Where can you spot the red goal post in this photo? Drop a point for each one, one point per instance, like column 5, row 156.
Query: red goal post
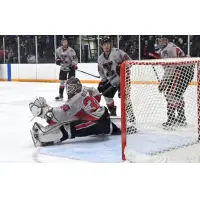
column 127, row 79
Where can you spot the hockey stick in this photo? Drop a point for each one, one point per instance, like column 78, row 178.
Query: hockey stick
column 108, row 89
column 88, row 73
column 156, row 74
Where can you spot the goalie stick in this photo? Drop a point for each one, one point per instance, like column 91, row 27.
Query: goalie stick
column 108, row 89
column 155, row 56
column 156, row 74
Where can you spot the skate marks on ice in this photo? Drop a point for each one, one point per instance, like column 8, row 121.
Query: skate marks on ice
column 100, row 149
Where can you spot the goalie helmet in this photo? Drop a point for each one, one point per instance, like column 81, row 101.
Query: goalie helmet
column 73, row 87
column 162, row 42
column 105, row 40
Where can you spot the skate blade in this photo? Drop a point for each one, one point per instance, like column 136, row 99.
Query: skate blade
column 181, row 125
column 58, row 99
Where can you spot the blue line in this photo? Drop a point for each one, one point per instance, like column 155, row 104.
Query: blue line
column 9, row 71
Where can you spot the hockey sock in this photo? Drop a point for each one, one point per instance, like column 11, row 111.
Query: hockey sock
column 112, row 109
column 171, row 113
column 111, row 105
column 61, row 90
column 181, row 112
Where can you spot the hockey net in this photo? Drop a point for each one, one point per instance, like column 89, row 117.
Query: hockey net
column 167, row 121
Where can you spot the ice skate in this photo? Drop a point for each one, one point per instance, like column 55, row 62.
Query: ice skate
column 116, row 130
column 181, row 121
column 59, row 98
column 169, row 125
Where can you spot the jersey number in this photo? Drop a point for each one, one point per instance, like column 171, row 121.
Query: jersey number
column 92, row 102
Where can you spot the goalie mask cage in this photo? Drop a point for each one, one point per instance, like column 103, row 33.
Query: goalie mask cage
column 146, row 108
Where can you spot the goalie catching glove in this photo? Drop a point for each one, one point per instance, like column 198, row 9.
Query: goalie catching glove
column 39, row 108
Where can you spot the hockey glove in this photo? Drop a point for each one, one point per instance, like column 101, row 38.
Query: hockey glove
column 58, row 61
column 75, row 67
column 102, row 86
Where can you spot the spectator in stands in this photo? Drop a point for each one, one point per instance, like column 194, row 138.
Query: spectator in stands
column 130, row 44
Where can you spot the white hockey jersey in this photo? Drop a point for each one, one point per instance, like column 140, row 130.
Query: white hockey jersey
column 68, row 58
column 107, row 65
column 170, row 51
column 82, row 106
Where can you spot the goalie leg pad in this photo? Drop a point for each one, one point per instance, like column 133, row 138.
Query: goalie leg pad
column 51, row 133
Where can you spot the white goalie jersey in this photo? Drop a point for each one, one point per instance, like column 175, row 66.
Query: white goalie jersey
column 84, row 106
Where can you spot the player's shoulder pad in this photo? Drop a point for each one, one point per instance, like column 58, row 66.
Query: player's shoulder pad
column 171, row 44
column 100, row 58
column 71, row 49
column 84, row 92
column 101, row 55
column 58, row 49
column 116, row 49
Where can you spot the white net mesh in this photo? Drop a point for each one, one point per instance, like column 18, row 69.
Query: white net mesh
column 161, row 103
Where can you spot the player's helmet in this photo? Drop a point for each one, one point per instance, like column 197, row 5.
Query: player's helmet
column 105, row 40
column 73, row 87
column 63, row 39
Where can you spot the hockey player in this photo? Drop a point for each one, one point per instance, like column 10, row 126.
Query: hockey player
column 174, row 83
column 67, row 59
column 80, row 116
column 109, row 70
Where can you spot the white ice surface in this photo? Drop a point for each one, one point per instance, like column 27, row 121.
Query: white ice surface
column 16, row 143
